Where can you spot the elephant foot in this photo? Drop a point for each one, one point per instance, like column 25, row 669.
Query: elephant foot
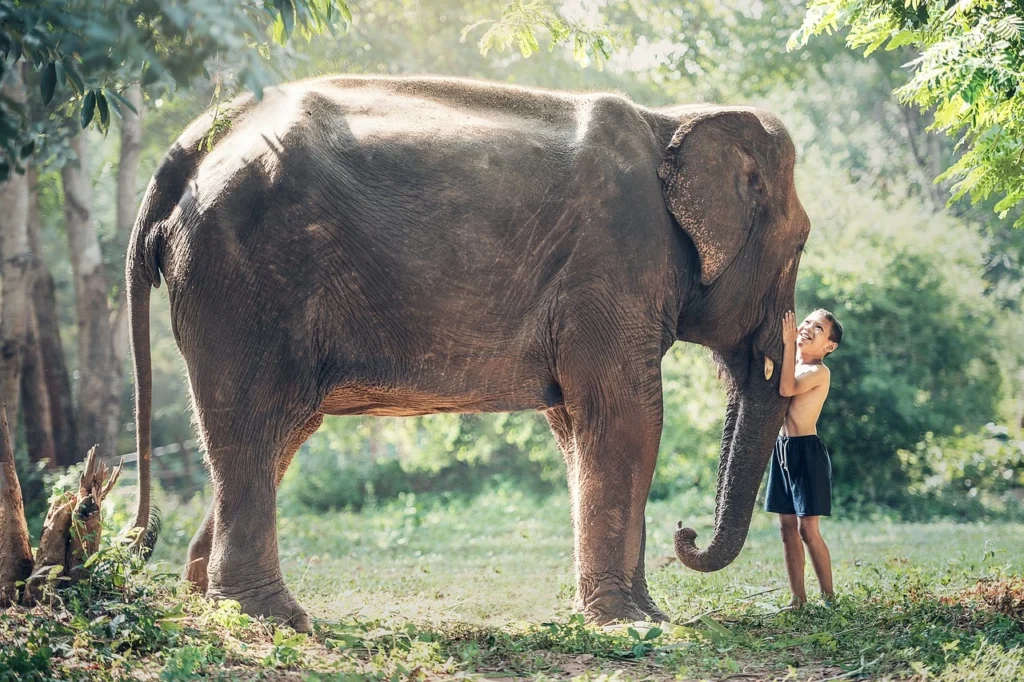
column 609, row 604
column 608, row 614
column 195, row 573
column 272, row 601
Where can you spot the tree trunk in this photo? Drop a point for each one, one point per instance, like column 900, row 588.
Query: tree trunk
column 51, row 359
column 127, row 206
column 35, row 402
column 36, row 411
column 15, row 550
column 15, row 271
column 100, row 376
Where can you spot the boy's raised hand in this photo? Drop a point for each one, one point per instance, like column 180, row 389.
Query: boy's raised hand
column 789, row 328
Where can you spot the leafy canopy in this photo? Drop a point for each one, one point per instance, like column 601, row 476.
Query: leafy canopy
column 520, row 21
column 970, row 69
column 85, row 52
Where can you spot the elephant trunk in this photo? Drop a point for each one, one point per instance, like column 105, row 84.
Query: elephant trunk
column 747, row 442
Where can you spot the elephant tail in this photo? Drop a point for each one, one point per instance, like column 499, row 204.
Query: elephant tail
column 143, row 264
column 142, row 273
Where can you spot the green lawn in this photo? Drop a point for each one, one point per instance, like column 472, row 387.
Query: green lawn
column 430, row 589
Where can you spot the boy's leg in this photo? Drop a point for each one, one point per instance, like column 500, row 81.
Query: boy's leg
column 820, row 558
column 794, row 557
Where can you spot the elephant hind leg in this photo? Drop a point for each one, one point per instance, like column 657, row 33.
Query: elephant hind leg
column 202, row 542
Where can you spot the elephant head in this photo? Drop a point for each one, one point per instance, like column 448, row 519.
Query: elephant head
column 728, row 181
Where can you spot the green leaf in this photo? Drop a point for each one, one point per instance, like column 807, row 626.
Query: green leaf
column 343, row 7
column 48, row 83
column 278, row 29
column 101, row 102
column 74, row 80
column 716, row 627
column 287, row 16
column 88, row 108
column 875, row 44
column 652, row 634
column 27, row 149
column 904, row 37
column 112, row 100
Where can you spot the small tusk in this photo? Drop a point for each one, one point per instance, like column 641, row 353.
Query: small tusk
column 769, row 368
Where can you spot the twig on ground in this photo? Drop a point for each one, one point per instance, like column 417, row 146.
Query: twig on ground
column 722, row 608
column 863, row 667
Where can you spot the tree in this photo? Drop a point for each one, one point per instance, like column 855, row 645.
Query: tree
column 15, row 267
column 38, row 414
column 970, row 69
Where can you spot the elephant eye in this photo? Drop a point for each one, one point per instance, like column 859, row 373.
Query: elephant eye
column 756, row 184
column 800, row 247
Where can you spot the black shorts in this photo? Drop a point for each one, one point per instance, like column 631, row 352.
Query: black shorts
column 800, row 478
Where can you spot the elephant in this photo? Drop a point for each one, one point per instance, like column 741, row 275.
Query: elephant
column 400, row 246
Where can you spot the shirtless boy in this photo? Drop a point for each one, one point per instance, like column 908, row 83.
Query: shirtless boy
column 800, row 478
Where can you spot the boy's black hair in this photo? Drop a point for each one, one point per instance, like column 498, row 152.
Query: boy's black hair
column 836, row 334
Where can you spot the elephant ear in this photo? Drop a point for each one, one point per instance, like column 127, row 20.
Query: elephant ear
column 713, row 183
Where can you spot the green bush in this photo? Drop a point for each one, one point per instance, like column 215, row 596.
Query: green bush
column 330, row 483
column 967, row 475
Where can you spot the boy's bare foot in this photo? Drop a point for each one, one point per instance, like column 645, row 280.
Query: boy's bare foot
column 796, row 603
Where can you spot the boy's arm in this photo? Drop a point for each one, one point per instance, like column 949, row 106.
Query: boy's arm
column 814, row 376
column 787, row 380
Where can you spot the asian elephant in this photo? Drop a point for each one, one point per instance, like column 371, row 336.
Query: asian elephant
column 410, row 246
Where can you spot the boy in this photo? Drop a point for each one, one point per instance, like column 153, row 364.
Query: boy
column 800, row 478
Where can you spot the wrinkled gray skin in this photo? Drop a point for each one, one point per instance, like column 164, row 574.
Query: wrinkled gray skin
column 412, row 246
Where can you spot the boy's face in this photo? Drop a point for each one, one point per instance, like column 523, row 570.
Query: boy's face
column 812, row 336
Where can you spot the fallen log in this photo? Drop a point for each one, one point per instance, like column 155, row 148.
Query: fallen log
column 15, row 550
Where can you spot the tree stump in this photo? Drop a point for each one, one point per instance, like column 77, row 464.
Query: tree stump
column 71, row 533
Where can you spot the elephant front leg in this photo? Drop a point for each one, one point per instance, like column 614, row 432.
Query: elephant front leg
column 614, row 464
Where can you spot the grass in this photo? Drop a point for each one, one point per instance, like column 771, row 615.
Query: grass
column 434, row 588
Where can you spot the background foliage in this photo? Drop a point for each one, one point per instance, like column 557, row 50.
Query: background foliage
column 968, row 68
